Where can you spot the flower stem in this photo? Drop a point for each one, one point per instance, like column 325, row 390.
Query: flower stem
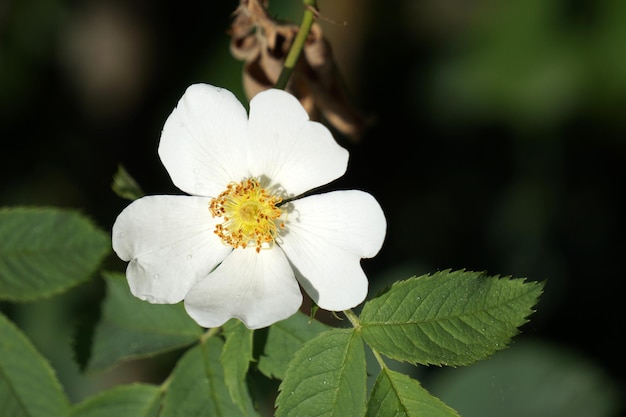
column 310, row 12
column 209, row 333
column 354, row 320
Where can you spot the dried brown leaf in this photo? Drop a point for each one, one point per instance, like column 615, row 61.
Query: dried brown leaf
column 263, row 43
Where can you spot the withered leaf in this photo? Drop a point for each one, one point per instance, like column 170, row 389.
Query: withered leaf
column 263, row 44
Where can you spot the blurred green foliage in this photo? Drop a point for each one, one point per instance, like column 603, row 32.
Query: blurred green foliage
column 497, row 142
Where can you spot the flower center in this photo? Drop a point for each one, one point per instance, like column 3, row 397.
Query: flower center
column 250, row 215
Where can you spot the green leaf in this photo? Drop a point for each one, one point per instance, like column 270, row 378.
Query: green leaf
column 28, row 385
column 448, row 318
column 125, row 186
column 235, row 359
column 397, row 395
column 136, row 400
column 327, row 377
column 131, row 328
column 197, row 385
column 284, row 339
column 44, row 251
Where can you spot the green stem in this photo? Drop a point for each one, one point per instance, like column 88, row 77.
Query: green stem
column 209, row 333
column 310, row 12
column 379, row 358
column 356, row 323
column 354, row 320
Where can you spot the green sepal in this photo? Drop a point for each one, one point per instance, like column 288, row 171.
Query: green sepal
column 125, row 186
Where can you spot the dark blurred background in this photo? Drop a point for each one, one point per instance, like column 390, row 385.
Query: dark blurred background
column 498, row 144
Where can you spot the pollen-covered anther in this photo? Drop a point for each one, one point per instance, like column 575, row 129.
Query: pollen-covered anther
column 249, row 213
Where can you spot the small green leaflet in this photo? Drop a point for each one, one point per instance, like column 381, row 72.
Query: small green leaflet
column 235, row 360
column 44, row 251
column 131, row 328
column 284, row 339
column 197, row 387
column 397, row 395
column 136, row 400
column 28, row 385
column 125, row 186
column 448, row 318
column 326, row 377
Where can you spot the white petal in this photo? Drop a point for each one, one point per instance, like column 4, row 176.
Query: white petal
column 170, row 244
column 203, row 143
column 257, row 288
column 326, row 236
column 288, row 148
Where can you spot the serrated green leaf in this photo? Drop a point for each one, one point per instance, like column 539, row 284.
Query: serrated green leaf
column 136, row 400
column 28, row 385
column 44, row 251
column 284, row 339
column 448, row 318
column 197, row 385
column 131, row 328
column 327, row 377
column 397, row 395
column 235, row 359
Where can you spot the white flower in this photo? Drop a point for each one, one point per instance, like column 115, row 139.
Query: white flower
column 244, row 238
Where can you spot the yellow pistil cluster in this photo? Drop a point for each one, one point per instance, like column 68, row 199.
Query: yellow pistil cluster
column 250, row 215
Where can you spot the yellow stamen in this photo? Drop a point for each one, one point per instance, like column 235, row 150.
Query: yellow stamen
column 249, row 213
